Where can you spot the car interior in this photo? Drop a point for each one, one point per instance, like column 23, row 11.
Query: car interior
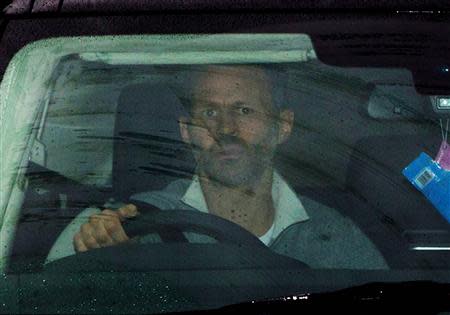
column 350, row 143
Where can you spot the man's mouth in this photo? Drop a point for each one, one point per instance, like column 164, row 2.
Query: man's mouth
column 230, row 152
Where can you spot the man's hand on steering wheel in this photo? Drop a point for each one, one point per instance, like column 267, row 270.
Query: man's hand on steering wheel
column 239, row 247
column 104, row 229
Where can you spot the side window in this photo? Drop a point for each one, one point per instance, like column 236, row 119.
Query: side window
column 78, row 127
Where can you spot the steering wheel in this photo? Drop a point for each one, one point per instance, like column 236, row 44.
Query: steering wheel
column 170, row 225
column 229, row 246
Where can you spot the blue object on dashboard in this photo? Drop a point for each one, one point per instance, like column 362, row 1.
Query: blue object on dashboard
column 432, row 180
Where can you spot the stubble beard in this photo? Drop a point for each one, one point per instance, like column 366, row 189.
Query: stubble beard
column 244, row 172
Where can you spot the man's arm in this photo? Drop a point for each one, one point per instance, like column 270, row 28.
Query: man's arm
column 104, row 229
column 90, row 218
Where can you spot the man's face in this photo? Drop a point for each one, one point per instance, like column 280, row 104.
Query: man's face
column 234, row 129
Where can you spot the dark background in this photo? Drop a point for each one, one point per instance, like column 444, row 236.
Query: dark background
column 350, row 33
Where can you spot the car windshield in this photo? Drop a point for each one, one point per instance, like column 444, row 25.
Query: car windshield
column 221, row 162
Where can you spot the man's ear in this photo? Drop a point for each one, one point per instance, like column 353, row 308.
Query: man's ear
column 183, row 123
column 286, row 124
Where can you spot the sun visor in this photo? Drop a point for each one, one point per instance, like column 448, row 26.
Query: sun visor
column 207, row 49
column 394, row 102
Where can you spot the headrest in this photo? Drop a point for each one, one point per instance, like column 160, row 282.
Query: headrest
column 148, row 150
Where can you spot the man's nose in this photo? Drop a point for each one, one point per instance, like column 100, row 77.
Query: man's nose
column 227, row 124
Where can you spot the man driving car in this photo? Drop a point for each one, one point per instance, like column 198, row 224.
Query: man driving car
column 234, row 128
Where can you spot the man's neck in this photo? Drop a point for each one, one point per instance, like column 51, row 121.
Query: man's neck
column 252, row 208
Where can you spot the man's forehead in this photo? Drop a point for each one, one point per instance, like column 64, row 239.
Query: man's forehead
column 237, row 72
column 232, row 83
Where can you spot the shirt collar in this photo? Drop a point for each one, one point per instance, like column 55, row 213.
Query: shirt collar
column 194, row 196
column 288, row 207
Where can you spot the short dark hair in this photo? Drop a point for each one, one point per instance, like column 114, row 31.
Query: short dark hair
column 191, row 74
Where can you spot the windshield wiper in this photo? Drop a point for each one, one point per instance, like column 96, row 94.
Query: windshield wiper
column 415, row 297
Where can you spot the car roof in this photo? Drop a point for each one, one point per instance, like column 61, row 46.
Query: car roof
column 349, row 34
column 21, row 7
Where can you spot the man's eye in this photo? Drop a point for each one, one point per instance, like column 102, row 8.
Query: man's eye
column 209, row 113
column 245, row 110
